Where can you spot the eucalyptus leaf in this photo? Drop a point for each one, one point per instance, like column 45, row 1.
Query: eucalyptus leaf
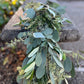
column 34, row 51
column 56, row 37
column 30, row 13
column 29, row 48
column 38, row 60
column 40, row 72
column 27, row 41
column 21, row 34
column 25, row 61
column 44, row 55
column 47, row 31
column 67, row 64
column 38, row 35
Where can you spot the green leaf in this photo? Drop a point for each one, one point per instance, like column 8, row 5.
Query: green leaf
column 58, row 62
column 51, row 45
column 25, row 61
column 56, row 37
column 67, row 64
column 38, row 35
column 47, row 31
column 30, row 67
column 52, row 78
column 52, row 12
column 73, row 71
column 44, row 55
column 31, row 59
column 64, row 56
column 30, row 13
column 29, row 48
column 36, row 42
column 34, row 51
column 40, row 72
column 38, row 60
column 21, row 34
column 27, row 41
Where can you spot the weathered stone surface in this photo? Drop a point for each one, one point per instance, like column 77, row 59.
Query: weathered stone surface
column 69, row 32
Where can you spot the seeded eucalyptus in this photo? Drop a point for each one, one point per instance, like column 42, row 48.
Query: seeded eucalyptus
column 45, row 62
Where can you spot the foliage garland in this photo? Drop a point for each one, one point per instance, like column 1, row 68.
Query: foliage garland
column 46, row 62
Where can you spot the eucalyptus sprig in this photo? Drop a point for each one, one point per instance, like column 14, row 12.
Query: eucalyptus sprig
column 45, row 62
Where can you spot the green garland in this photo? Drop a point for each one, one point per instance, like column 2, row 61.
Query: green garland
column 45, row 62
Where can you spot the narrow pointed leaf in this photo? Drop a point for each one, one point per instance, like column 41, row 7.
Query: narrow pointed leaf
column 34, row 51
column 58, row 62
column 52, row 78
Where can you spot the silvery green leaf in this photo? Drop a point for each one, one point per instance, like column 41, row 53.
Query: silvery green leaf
column 51, row 46
column 21, row 34
column 44, row 55
column 29, row 48
column 25, row 61
column 30, row 67
column 34, row 51
column 58, row 62
column 40, row 8
column 38, row 35
column 31, row 59
column 67, row 64
column 49, row 36
column 30, row 13
column 50, row 51
column 27, row 41
column 38, row 60
column 47, row 31
column 40, row 72
column 36, row 42
column 52, row 78
column 56, row 37
column 52, row 12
